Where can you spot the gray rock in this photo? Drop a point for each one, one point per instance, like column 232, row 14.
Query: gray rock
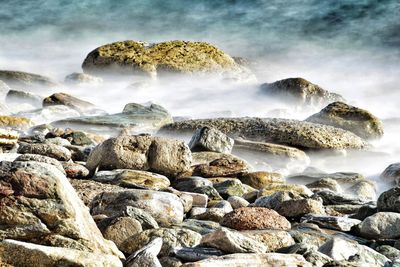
column 82, row 79
column 331, row 222
column 389, row 200
column 273, row 239
column 25, row 80
column 343, row 178
column 389, row 251
column 273, row 201
column 165, row 208
column 232, row 242
column 299, row 91
column 237, row 202
column 381, row 225
column 146, row 256
column 49, row 150
column 356, row 120
column 15, row 97
column 392, row 173
column 280, row 131
column 190, row 183
column 200, row 226
column 40, row 158
column 210, row 139
column 146, row 220
column 70, row 101
column 332, row 198
column 232, row 187
column 120, row 229
column 364, row 190
column 196, row 253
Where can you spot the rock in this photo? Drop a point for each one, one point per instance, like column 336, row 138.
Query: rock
column 146, row 256
column 300, row 91
column 325, row 184
column 332, row 198
column 172, row 238
column 146, row 220
column 390, row 252
column 381, row 225
column 18, row 253
column 392, row 173
column 260, row 179
column 255, row 218
column 190, row 183
column 200, row 226
column 75, row 170
column 280, row 131
column 25, row 80
column 210, row 139
column 230, row 188
column 343, row 178
column 69, row 101
column 364, row 190
column 166, row 208
column 121, row 228
column 128, row 57
column 14, row 122
column 340, row 249
column 165, row 156
column 43, row 159
column 389, row 200
column 222, row 167
column 232, row 242
column 332, row 222
column 274, row 200
column 38, row 204
column 252, row 259
column 82, row 79
column 214, row 213
column 133, row 179
column 300, row 207
column 273, row 239
column 291, row 188
column 237, row 202
column 196, row 253
column 8, row 137
column 209, row 191
column 15, row 97
column 170, row 262
column 350, row 118
column 57, row 141
column 49, row 150
column 78, row 138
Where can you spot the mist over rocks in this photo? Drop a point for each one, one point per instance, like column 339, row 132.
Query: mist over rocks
column 25, row 80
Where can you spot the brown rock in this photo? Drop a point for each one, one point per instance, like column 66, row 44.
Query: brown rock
column 255, row 218
column 223, row 167
column 298, row 207
column 260, row 179
column 67, row 100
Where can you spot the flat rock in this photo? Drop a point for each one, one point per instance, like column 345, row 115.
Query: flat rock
column 49, row 150
column 166, row 208
column 332, row 222
column 255, row 218
column 273, row 239
column 356, row 120
column 18, row 253
column 291, row 188
column 222, row 167
column 196, row 253
column 69, row 101
column 15, row 97
column 200, row 226
column 252, row 259
column 25, row 80
column 279, row 131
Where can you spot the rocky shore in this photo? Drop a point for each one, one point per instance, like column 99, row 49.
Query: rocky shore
column 82, row 187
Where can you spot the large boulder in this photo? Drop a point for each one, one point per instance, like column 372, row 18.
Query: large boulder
column 299, row 91
column 389, row 200
column 280, row 131
column 38, row 204
column 128, row 57
column 166, row 208
column 381, row 225
column 161, row 155
column 135, row 117
column 25, row 80
column 356, row 120
column 17, row 253
column 392, row 173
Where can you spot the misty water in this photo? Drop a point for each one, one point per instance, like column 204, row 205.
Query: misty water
column 351, row 48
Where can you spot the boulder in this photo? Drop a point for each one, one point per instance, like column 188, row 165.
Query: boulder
column 299, row 91
column 255, row 218
column 146, row 256
column 392, row 174
column 350, row 118
column 389, row 200
column 381, row 225
column 209, row 139
column 172, row 238
column 232, row 242
column 166, row 208
column 280, row 131
column 128, row 57
column 18, row 253
column 25, row 80
column 69, row 101
column 39, row 205
column 49, row 150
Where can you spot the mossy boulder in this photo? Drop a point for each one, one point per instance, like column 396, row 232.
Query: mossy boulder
column 128, row 57
column 356, row 120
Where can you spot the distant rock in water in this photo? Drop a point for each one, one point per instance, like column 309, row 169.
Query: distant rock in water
column 356, row 120
column 280, row 131
column 82, row 79
column 300, row 91
column 17, row 97
column 24, row 80
column 129, row 57
column 69, row 101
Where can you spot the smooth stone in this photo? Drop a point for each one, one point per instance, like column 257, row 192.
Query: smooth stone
column 297, row 208
column 49, row 150
column 332, row 222
column 232, row 242
column 75, row 170
column 18, row 253
column 252, row 259
column 210, row 139
column 172, row 238
column 121, row 228
column 57, row 141
column 332, row 198
column 222, row 167
column 280, row 131
column 209, row 191
column 200, row 226
column 165, row 208
column 273, row 201
column 190, row 183
column 260, row 179
column 381, row 225
column 389, row 251
column 340, row 177
column 325, row 184
column 237, row 202
column 232, row 187
column 196, row 253
column 392, row 174
column 273, row 239
column 146, row 256
column 356, row 120
column 364, row 190
column 69, row 101
column 255, row 218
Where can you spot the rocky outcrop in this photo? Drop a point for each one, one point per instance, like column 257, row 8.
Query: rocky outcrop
column 350, row 118
column 280, row 131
